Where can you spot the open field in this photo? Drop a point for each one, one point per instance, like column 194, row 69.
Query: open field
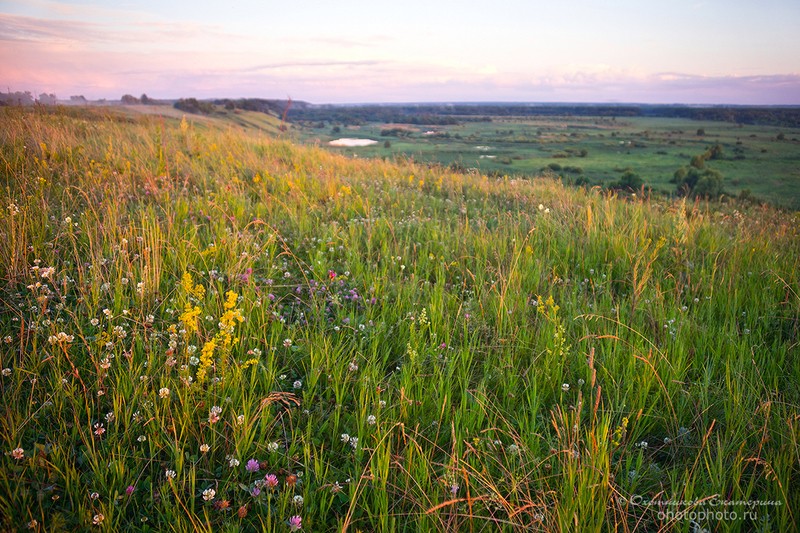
column 208, row 328
column 597, row 150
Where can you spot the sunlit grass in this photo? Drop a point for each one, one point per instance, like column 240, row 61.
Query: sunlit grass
column 210, row 330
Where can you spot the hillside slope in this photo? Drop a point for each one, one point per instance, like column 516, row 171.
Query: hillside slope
column 205, row 328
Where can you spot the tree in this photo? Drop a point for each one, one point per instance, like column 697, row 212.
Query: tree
column 193, row 105
column 129, row 99
column 48, row 99
column 698, row 183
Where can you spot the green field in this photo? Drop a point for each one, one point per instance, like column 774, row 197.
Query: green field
column 654, row 148
column 206, row 327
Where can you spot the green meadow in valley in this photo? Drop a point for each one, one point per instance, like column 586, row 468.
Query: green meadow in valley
column 207, row 328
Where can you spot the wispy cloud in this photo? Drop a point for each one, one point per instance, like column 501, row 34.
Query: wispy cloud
column 26, row 29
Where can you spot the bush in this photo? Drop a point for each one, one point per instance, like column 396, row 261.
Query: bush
column 193, row 105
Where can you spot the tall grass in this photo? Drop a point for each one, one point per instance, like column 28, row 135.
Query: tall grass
column 212, row 330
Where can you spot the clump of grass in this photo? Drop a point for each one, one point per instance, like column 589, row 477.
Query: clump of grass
column 206, row 329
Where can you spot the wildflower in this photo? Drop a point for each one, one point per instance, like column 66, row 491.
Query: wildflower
column 107, row 312
column 98, row 519
column 141, row 438
column 221, row 505
column 170, row 474
column 60, row 338
column 6, row 372
column 99, row 429
column 297, row 384
column 233, row 462
column 163, row 392
column 297, row 500
column 18, row 453
column 242, row 512
column 252, row 465
column 209, row 494
column 189, row 318
column 513, row 449
column 273, row 447
column 371, row 420
column 213, row 414
column 287, row 343
column 565, row 387
column 94, row 321
column 352, row 367
column 33, row 524
column 240, row 419
column 129, row 490
column 271, row 481
column 345, row 437
column 204, row 448
column 94, row 496
column 295, row 523
column 291, row 481
column 255, row 492
column 206, row 359
column 454, row 488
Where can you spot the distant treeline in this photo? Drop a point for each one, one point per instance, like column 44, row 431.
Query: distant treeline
column 444, row 114
column 262, row 105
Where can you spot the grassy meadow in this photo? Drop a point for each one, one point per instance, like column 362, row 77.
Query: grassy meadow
column 764, row 160
column 205, row 328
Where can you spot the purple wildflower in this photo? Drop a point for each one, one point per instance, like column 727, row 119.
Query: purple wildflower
column 252, row 465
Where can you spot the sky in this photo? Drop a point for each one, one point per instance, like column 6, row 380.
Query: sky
column 351, row 51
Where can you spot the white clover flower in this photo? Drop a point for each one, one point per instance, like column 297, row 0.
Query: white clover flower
column 233, row 462
column 170, row 474
column 204, row 448
column 163, row 392
column 297, row 500
column 371, row 420
column 345, row 437
column 298, row 384
column 272, row 447
column 209, row 494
